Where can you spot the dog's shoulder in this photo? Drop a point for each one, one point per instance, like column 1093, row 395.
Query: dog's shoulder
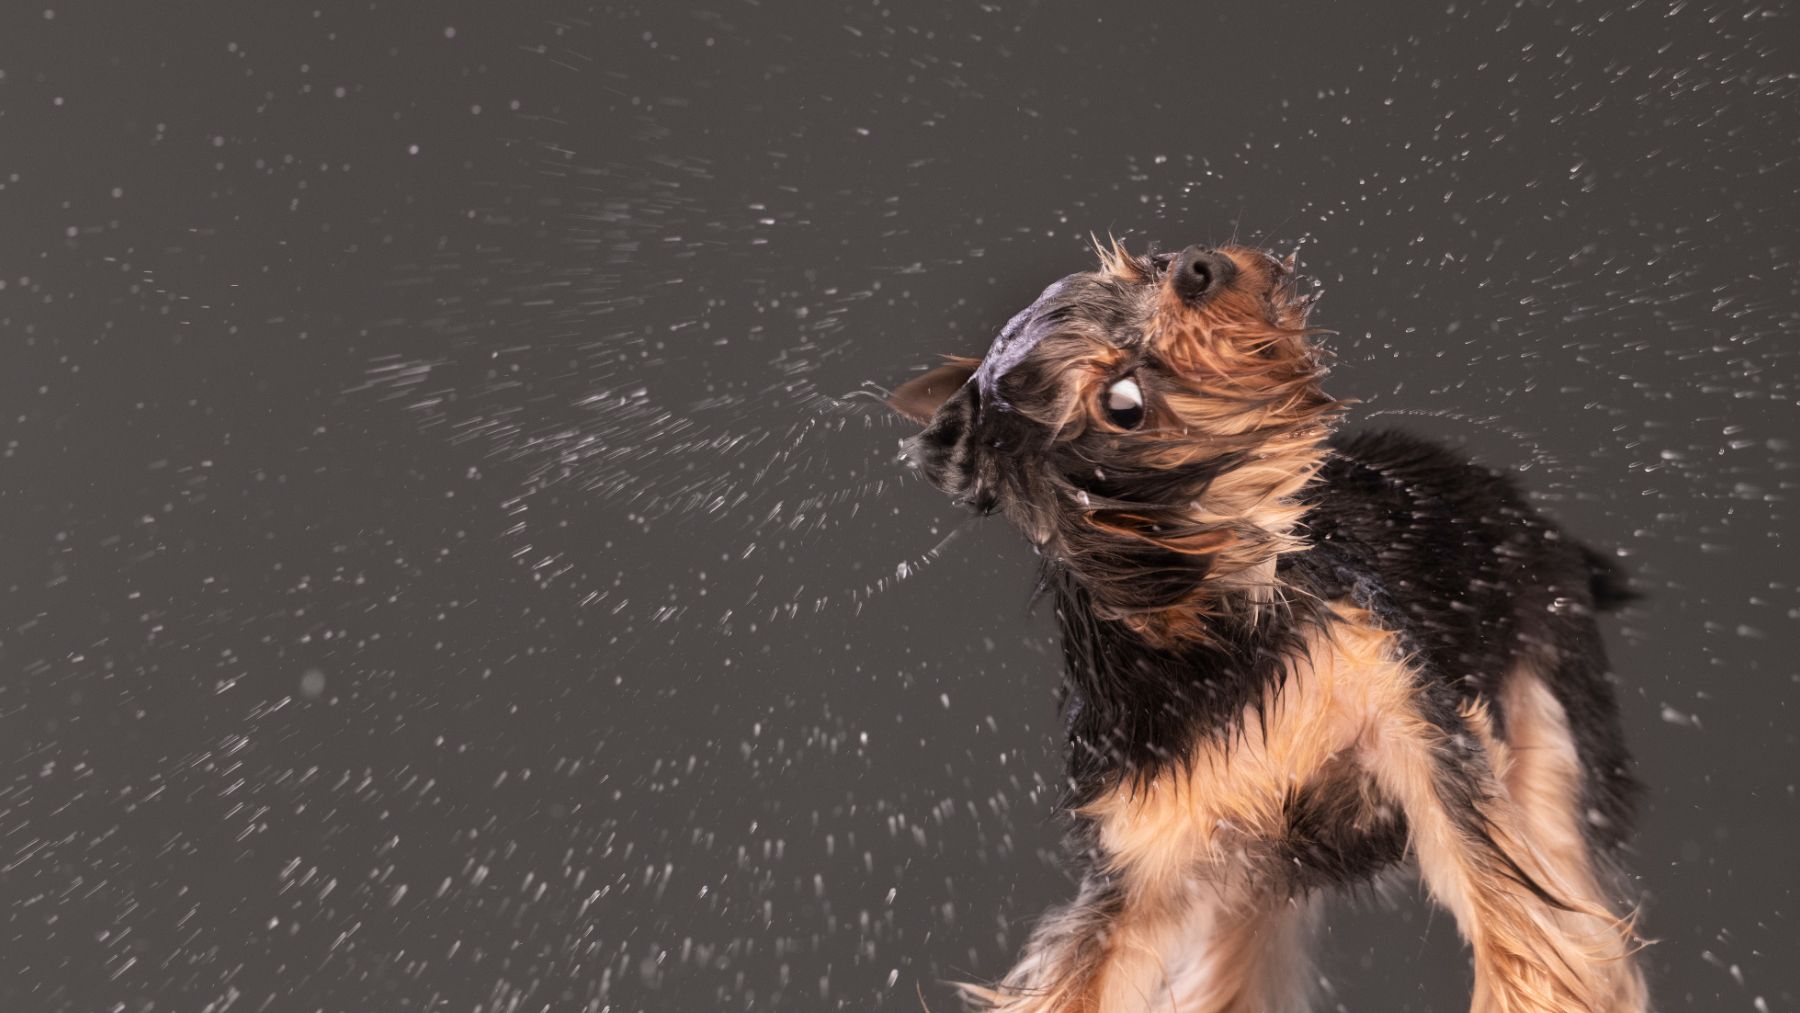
column 1443, row 551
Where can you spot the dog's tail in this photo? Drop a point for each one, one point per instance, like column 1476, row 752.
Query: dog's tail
column 1607, row 582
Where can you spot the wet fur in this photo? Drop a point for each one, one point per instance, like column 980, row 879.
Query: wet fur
column 1292, row 659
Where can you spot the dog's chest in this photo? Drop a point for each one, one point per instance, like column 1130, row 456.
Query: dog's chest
column 1284, row 783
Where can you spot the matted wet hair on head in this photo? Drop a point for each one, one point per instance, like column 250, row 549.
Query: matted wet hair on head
column 1174, row 519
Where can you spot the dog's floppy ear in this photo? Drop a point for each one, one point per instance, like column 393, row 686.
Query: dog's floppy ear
column 920, row 397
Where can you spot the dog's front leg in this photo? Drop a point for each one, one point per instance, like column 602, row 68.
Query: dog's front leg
column 1101, row 952
column 1129, row 944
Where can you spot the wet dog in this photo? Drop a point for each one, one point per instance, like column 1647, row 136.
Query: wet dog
column 1292, row 659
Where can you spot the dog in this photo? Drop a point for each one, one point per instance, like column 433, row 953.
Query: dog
column 1293, row 658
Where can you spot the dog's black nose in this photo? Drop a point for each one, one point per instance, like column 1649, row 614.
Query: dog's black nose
column 1199, row 271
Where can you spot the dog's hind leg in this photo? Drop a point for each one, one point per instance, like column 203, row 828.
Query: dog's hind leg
column 1541, row 770
column 1542, row 942
column 1541, row 945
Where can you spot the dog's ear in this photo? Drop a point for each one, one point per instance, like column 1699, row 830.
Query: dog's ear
column 920, row 397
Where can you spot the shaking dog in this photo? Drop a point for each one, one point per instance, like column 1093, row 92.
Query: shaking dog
column 1292, row 658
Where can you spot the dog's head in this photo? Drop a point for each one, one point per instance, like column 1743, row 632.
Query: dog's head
column 1147, row 424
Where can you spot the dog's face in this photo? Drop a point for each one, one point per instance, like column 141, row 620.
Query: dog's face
column 1146, row 423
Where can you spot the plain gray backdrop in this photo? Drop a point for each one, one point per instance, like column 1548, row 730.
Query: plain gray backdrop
column 446, row 564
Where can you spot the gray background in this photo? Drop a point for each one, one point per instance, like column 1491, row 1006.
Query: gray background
column 440, row 568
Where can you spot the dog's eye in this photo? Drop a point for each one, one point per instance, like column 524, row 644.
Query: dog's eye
column 1124, row 403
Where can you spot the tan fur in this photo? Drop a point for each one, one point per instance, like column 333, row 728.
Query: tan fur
column 1067, row 951
column 1117, row 261
column 1209, row 948
column 1191, row 930
column 1543, row 781
column 1260, row 963
column 1236, row 791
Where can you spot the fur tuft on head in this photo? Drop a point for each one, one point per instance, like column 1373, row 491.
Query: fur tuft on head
column 1117, row 261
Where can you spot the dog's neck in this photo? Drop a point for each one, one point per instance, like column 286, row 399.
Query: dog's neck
column 1202, row 558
